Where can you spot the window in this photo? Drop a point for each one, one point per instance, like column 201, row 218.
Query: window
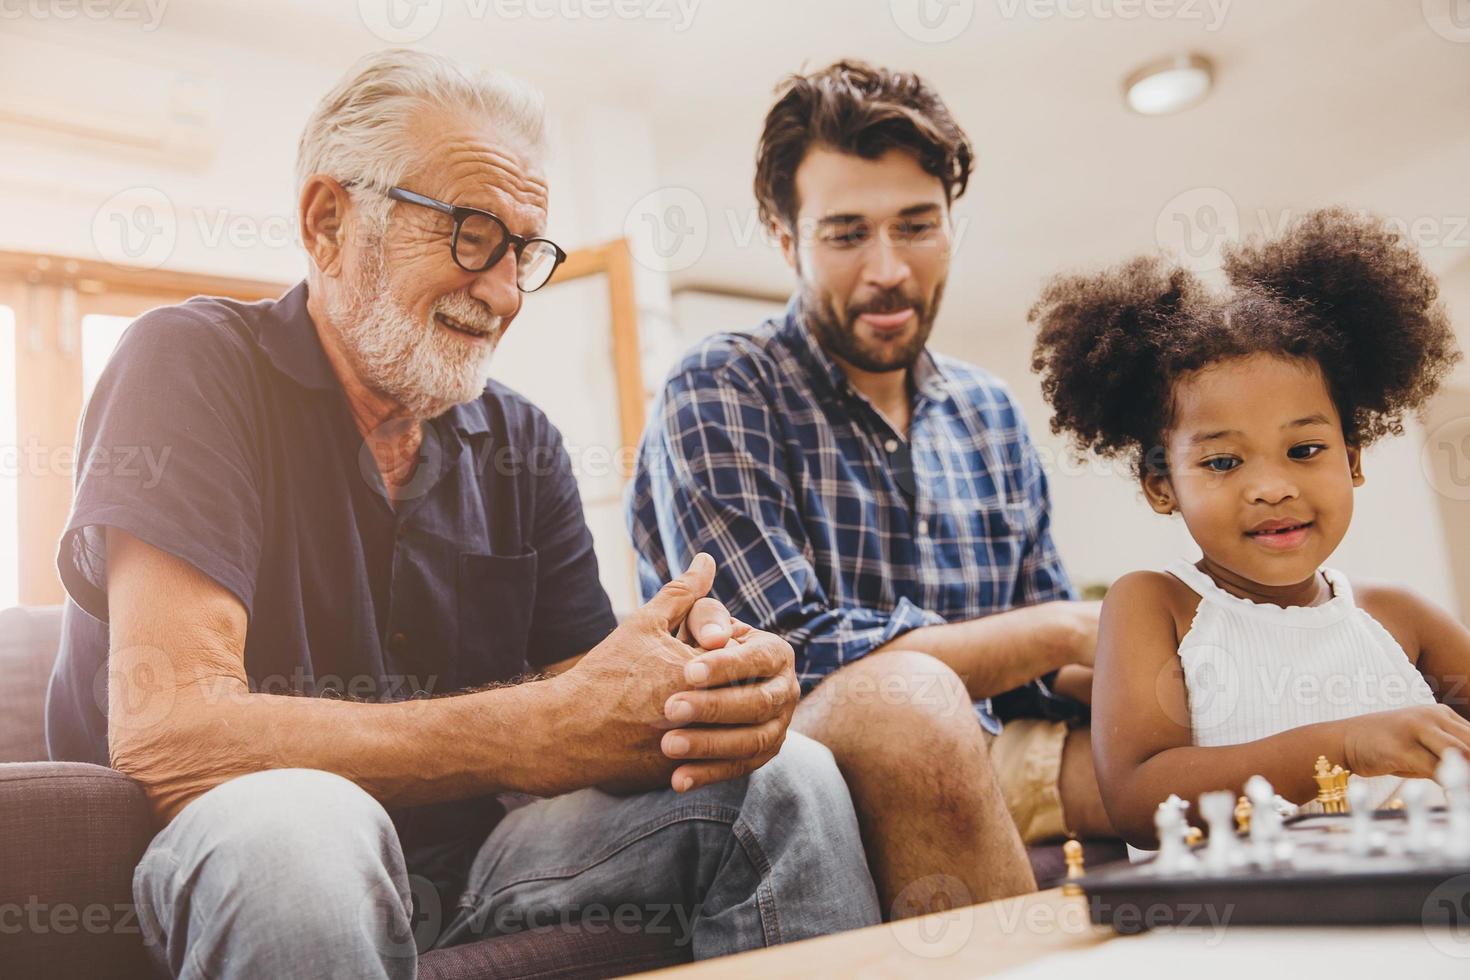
column 62, row 320
column 100, row 334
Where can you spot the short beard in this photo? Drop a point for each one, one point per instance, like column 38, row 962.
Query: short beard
column 413, row 362
column 836, row 331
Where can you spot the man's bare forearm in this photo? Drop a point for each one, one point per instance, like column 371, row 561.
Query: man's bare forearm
column 999, row 652
column 402, row 753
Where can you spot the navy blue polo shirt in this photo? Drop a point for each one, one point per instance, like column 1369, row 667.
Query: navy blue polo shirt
column 219, row 433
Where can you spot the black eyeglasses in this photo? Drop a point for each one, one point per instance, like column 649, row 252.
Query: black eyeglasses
column 481, row 239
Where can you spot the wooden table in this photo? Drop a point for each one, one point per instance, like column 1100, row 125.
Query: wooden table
column 974, row 941
column 1048, row 935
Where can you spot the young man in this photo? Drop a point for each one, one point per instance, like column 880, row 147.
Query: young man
column 882, row 506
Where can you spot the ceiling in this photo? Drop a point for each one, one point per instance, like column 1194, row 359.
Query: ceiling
column 1361, row 102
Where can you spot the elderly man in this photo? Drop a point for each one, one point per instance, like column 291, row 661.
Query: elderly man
column 882, row 505
column 351, row 515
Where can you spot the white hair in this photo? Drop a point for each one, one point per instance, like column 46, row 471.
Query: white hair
column 359, row 132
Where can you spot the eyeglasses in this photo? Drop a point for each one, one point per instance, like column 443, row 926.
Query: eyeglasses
column 481, row 239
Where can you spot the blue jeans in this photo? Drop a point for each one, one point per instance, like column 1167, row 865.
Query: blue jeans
column 299, row 873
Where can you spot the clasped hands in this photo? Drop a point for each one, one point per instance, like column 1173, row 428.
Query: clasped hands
column 681, row 694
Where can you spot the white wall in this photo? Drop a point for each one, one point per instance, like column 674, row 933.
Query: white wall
column 699, row 314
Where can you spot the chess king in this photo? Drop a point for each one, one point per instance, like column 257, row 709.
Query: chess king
column 1246, row 412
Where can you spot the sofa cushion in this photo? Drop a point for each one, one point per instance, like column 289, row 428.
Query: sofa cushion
column 70, row 834
column 29, row 639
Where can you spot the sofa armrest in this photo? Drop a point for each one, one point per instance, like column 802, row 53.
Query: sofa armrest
column 70, row 836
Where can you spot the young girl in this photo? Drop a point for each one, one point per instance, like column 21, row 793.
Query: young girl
column 1246, row 413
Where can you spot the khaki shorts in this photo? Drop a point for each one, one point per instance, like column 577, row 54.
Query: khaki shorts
column 1027, row 759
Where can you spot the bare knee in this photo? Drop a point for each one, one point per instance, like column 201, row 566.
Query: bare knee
column 889, row 704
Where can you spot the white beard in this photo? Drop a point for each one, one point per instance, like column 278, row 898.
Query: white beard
column 419, row 364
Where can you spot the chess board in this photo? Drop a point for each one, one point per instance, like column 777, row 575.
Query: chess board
column 1311, row 876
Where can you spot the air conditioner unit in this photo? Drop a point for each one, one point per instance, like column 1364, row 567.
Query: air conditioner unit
column 107, row 99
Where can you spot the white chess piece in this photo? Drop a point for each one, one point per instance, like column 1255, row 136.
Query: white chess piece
column 1362, row 840
column 1285, row 808
column 1171, row 827
column 1417, row 837
column 1454, row 775
column 1265, row 820
column 1222, row 852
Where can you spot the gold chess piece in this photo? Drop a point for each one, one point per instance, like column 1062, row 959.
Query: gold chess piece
column 1072, row 851
column 1331, row 786
column 1243, row 815
column 1193, row 836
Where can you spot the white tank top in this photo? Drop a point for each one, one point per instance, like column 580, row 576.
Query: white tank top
column 1254, row 669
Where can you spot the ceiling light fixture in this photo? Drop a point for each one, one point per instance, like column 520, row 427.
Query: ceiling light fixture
column 1170, row 85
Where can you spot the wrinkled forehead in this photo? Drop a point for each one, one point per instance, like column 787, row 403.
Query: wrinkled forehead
column 470, row 161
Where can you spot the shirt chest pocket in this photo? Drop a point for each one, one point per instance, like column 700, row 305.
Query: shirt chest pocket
column 496, row 602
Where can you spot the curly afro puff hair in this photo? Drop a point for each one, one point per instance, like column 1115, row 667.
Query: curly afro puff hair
column 1337, row 288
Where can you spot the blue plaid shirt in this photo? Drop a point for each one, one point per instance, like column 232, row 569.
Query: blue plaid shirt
column 828, row 526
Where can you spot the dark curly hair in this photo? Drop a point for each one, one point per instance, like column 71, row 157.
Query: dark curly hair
column 856, row 108
column 1337, row 288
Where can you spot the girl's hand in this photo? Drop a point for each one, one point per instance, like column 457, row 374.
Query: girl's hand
column 1407, row 742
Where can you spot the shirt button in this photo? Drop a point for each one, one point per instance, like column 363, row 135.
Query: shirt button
column 891, row 445
column 923, row 527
